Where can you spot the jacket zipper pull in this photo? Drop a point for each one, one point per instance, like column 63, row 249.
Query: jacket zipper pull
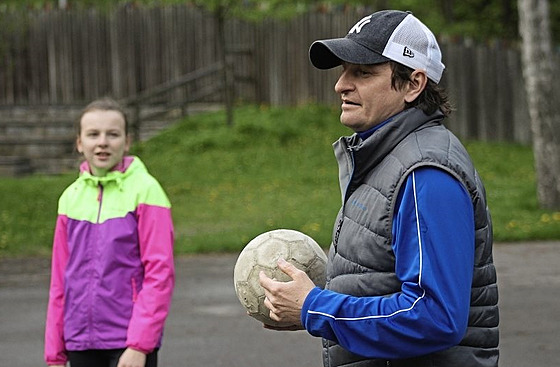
column 100, row 201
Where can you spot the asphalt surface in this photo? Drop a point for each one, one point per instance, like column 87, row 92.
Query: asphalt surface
column 208, row 327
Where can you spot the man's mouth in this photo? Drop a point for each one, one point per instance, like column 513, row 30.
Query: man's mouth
column 349, row 103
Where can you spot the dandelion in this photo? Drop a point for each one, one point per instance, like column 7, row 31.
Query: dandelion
column 312, row 227
column 512, row 225
column 545, row 218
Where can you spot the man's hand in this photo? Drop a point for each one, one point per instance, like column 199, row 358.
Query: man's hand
column 285, row 299
column 132, row 358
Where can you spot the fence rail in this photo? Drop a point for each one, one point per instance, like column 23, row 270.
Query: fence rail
column 149, row 96
column 71, row 57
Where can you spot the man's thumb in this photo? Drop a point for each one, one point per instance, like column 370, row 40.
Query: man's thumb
column 288, row 268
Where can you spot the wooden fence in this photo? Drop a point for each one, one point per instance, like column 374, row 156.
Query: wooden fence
column 71, row 57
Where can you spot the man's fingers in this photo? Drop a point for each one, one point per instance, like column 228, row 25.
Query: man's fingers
column 269, row 305
column 272, row 310
column 264, row 280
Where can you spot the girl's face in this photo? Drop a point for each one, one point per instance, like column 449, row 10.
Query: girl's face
column 102, row 140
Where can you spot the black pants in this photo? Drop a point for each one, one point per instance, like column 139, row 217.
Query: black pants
column 103, row 358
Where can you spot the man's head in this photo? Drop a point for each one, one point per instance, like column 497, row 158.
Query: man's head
column 396, row 43
column 381, row 37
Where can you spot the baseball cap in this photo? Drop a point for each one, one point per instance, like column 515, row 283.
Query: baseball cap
column 380, row 37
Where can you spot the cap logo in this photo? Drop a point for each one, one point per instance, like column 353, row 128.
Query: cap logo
column 357, row 28
column 408, row 52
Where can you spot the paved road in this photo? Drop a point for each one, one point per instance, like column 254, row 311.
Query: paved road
column 208, row 327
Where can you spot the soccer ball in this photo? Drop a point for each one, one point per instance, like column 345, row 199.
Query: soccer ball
column 262, row 253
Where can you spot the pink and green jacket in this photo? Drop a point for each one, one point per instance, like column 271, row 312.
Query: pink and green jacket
column 112, row 263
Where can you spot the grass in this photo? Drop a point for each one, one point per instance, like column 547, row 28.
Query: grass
column 273, row 169
column 509, row 176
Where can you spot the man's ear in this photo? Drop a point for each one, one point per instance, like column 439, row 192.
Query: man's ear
column 417, row 83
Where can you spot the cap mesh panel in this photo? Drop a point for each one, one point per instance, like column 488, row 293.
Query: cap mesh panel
column 413, row 36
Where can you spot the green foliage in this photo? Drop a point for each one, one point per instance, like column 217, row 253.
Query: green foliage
column 273, row 169
column 480, row 20
column 476, row 19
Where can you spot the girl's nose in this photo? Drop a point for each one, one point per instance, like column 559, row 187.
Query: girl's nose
column 102, row 141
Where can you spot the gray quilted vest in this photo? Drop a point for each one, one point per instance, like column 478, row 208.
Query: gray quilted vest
column 361, row 262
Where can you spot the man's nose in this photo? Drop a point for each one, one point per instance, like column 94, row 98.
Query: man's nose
column 342, row 85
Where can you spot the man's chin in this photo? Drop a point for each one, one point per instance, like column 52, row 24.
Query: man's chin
column 353, row 125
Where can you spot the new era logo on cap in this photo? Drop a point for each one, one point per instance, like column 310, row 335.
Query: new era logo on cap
column 408, row 52
column 380, row 37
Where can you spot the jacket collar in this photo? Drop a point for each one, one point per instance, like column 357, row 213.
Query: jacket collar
column 117, row 174
column 362, row 155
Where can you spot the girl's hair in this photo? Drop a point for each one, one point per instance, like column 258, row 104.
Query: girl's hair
column 103, row 104
column 432, row 98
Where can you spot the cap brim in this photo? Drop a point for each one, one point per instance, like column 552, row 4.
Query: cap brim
column 326, row 54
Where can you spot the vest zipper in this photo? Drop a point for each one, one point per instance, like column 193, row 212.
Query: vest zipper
column 345, row 197
column 337, row 232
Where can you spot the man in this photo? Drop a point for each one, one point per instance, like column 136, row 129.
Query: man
column 410, row 277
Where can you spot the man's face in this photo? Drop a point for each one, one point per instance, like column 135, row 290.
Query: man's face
column 367, row 96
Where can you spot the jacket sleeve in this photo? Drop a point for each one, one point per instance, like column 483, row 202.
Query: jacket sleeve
column 155, row 234
column 433, row 242
column 55, row 352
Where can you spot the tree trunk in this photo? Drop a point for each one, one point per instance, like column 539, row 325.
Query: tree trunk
column 535, row 31
column 447, row 9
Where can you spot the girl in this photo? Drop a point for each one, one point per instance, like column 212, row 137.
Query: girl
column 112, row 262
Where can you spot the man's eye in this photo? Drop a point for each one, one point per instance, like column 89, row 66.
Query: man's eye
column 363, row 72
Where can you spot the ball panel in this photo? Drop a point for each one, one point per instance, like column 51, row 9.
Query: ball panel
column 246, row 296
column 268, row 252
column 246, row 260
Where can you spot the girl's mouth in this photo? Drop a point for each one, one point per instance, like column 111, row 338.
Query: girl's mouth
column 102, row 155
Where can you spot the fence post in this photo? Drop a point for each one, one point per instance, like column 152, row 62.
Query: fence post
column 226, row 73
column 136, row 121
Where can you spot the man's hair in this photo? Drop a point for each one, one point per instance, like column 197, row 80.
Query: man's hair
column 432, row 98
column 103, row 104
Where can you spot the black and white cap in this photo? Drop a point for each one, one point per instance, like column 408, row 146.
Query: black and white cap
column 380, row 37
